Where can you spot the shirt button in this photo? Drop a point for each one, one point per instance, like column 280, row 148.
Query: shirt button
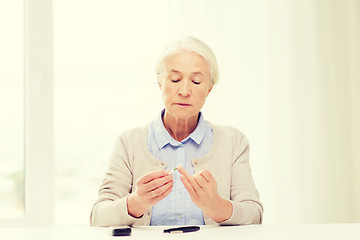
column 163, row 164
column 181, row 145
column 180, row 216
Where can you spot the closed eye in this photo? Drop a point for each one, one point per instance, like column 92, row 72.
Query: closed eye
column 175, row 76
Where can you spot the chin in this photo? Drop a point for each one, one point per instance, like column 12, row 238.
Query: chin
column 185, row 114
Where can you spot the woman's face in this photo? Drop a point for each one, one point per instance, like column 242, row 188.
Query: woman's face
column 186, row 85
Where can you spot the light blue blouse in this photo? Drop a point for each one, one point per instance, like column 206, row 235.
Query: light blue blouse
column 177, row 208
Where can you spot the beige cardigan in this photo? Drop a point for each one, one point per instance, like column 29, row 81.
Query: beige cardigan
column 227, row 160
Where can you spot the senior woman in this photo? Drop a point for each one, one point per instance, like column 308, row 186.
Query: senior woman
column 213, row 182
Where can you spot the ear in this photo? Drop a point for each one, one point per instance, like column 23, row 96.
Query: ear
column 212, row 84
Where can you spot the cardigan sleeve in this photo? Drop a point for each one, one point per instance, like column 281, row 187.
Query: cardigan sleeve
column 111, row 207
column 244, row 197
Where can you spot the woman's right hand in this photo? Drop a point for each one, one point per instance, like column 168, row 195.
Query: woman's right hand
column 150, row 189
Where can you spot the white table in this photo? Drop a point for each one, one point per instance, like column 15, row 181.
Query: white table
column 259, row 232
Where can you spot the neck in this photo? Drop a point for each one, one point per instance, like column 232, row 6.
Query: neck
column 179, row 129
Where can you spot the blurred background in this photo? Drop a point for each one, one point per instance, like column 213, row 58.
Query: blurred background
column 289, row 80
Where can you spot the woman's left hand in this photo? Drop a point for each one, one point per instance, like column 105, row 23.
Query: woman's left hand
column 202, row 188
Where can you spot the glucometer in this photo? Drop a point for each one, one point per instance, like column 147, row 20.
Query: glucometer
column 121, row 231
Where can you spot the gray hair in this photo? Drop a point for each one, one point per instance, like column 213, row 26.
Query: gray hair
column 190, row 44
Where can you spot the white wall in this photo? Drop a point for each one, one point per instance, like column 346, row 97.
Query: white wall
column 289, row 79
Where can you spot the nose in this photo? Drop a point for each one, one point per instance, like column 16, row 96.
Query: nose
column 184, row 88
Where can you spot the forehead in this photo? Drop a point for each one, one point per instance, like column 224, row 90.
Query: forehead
column 187, row 62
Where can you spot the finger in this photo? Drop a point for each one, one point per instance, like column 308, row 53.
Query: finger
column 165, row 194
column 161, row 190
column 183, row 172
column 190, row 179
column 207, row 175
column 201, row 181
column 158, row 182
column 188, row 186
column 151, row 176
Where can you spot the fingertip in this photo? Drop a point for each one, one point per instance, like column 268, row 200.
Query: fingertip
column 180, row 168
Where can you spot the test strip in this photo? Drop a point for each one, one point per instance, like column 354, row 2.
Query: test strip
column 172, row 171
column 175, row 169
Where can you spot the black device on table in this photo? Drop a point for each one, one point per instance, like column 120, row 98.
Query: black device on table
column 121, row 231
column 182, row 229
column 126, row 230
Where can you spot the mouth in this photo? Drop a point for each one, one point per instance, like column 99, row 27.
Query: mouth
column 183, row 104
